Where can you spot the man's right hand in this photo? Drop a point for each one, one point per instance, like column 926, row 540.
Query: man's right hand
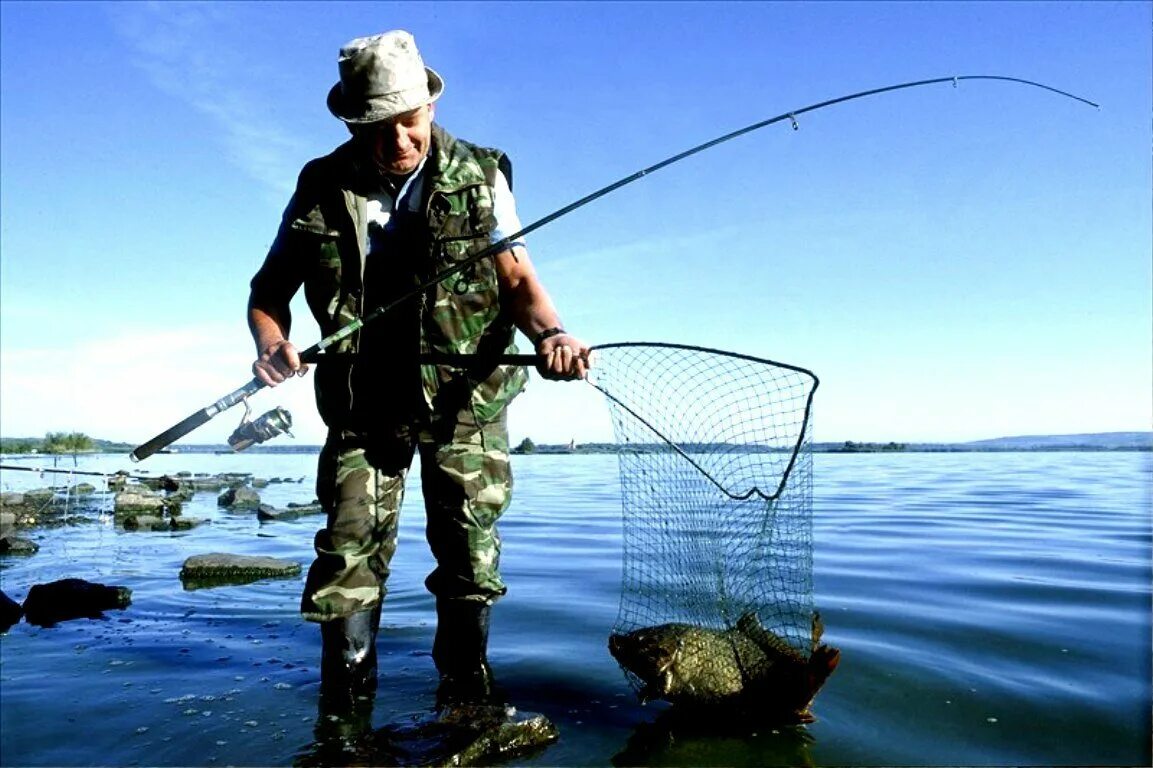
column 278, row 361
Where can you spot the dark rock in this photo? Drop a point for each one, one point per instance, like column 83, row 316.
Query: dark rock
column 475, row 735
column 16, row 509
column 15, row 545
column 267, row 512
column 136, row 522
column 82, row 489
column 10, row 612
column 239, row 498
column 39, row 497
column 165, row 483
column 48, row 604
column 219, row 569
column 185, row 523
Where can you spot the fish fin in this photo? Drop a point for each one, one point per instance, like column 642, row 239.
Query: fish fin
column 821, row 664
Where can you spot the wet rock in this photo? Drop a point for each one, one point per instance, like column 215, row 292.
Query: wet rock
column 185, row 523
column 163, row 483
column 135, row 522
column 220, row 569
column 10, row 612
column 269, row 513
column 235, row 479
column 137, row 499
column 239, row 498
column 205, row 483
column 82, row 489
column 7, row 521
column 39, row 497
column 66, row 599
column 14, row 507
column 476, row 735
column 258, row 482
column 15, row 545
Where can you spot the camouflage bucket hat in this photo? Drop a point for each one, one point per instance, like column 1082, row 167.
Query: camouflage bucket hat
column 381, row 77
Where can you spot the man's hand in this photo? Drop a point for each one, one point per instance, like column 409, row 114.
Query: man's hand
column 278, row 361
column 566, row 358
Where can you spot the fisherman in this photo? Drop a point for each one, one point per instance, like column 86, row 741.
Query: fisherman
column 397, row 204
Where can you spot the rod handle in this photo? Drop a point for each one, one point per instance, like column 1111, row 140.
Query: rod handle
column 177, row 431
column 170, row 435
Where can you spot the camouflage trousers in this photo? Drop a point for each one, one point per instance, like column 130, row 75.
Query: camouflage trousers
column 467, row 484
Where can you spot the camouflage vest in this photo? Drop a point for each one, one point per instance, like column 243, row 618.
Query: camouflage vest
column 361, row 389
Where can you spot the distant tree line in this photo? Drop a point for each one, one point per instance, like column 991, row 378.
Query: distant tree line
column 851, row 447
column 52, row 443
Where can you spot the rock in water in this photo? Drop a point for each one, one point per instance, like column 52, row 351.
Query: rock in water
column 219, row 569
column 10, row 612
column 746, row 665
column 239, row 498
column 478, row 735
column 48, row 604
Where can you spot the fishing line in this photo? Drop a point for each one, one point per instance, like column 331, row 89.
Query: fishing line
column 315, row 352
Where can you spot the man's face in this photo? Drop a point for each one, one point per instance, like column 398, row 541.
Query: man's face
column 397, row 145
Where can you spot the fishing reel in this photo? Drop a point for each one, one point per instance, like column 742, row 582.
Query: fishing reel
column 266, row 427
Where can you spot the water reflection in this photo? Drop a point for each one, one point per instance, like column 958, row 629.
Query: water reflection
column 679, row 737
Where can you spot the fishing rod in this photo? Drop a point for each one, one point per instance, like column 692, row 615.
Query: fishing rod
column 315, row 352
column 56, row 470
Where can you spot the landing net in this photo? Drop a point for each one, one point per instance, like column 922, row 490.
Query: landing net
column 716, row 479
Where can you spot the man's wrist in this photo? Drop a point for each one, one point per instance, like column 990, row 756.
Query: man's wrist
column 547, row 333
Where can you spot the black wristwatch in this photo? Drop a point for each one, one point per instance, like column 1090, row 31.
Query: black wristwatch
column 548, row 333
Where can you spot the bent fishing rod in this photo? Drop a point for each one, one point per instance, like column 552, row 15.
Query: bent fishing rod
column 315, row 354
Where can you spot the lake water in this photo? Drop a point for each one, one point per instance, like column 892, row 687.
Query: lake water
column 991, row 609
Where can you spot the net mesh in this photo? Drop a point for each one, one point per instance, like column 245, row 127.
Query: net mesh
column 716, row 479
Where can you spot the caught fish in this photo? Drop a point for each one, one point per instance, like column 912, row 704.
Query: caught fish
column 746, row 664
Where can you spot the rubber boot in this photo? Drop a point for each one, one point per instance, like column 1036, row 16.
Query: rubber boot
column 347, row 689
column 348, row 656
column 460, row 652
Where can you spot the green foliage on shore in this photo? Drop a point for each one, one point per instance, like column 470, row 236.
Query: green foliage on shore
column 526, row 446
column 54, row 443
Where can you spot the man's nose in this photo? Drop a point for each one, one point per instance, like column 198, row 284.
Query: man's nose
column 397, row 137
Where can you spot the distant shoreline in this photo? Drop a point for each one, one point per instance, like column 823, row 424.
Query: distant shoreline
column 1002, row 445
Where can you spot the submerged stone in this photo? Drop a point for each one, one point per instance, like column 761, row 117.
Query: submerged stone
column 471, row 735
column 221, row 569
column 185, row 523
column 268, row 512
column 16, row 545
column 145, row 523
column 479, row 735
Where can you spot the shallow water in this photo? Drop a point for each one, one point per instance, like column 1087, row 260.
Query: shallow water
column 991, row 609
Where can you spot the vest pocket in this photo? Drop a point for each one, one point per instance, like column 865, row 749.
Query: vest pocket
column 467, row 302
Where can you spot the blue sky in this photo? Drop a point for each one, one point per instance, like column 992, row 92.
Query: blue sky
column 954, row 263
